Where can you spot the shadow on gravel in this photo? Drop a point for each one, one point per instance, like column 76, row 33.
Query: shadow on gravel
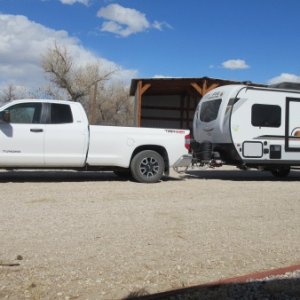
column 239, row 175
column 271, row 289
column 58, row 176
column 85, row 176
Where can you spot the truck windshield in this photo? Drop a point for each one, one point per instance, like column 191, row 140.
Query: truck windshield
column 209, row 110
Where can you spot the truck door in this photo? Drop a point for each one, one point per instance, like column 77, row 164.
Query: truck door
column 66, row 138
column 292, row 125
column 22, row 136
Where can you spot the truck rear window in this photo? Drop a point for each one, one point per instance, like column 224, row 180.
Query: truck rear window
column 209, row 110
column 61, row 113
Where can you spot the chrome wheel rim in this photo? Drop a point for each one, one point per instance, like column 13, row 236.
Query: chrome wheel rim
column 149, row 167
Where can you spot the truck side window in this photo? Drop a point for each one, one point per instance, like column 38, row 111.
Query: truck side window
column 25, row 113
column 264, row 115
column 209, row 110
column 61, row 113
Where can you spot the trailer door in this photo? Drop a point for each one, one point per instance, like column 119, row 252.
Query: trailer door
column 292, row 125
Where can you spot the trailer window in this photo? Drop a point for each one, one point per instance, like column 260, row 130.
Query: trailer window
column 266, row 115
column 209, row 110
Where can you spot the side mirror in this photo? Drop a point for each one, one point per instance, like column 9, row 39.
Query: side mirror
column 5, row 116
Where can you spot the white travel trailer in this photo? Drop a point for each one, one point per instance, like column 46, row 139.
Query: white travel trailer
column 249, row 127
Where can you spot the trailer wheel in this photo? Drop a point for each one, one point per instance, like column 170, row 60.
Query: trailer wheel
column 281, row 172
column 147, row 166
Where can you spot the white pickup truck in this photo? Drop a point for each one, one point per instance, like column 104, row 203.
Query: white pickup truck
column 56, row 134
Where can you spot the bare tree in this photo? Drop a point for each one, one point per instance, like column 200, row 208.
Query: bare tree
column 50, row 91
column 8, row 93
column 13, row 92
column 81, row 83
column 90, row 84
column 58, row 63
column 115, row 106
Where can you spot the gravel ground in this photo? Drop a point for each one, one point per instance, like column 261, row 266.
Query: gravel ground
column 71, row 235
column 280, row 287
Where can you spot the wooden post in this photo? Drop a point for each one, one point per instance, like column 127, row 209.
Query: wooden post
column 141, row 90
column 188, row 112
column 209, row 88
column 145, row 88
column 139, row 103
column 182, row 101
column 197, row 88
column 205, row 87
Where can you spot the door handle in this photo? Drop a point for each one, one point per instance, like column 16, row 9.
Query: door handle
column 36, row 130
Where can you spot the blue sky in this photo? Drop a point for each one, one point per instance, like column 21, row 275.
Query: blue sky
column 254, row 40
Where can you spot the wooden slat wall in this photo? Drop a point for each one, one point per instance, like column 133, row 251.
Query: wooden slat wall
column 174, row 111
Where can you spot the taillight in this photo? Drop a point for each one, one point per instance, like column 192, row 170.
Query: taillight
column 187, row 141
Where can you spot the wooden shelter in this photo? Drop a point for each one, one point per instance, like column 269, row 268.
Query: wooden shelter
column 170, row 102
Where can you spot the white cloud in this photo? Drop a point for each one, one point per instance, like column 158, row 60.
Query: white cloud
column 22, row 43
column 71, row 2
column 235, row 64
column 161, row 25
column 163, row 76
column 284, row 77
column 125, row 21
column 122, row 21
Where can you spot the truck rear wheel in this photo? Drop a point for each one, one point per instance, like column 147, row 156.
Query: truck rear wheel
column 281, row 172
column 147, row 166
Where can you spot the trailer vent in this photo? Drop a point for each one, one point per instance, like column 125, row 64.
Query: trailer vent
column 275, row 151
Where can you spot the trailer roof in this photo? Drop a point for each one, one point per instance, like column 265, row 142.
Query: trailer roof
column 295, row 86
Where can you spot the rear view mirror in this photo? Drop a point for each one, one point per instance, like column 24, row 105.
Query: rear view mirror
column 5, row 116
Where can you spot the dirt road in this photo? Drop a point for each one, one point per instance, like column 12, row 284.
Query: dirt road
column 92, row 236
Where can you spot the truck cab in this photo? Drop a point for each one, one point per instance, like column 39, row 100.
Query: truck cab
column 43, row 133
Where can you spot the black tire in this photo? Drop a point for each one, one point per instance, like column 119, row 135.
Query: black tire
column 147, row 166
column 281, row 172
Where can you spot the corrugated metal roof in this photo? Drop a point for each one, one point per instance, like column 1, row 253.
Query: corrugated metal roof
column 177, row 86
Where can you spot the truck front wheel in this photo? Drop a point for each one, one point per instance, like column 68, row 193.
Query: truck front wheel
column 147, row 166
